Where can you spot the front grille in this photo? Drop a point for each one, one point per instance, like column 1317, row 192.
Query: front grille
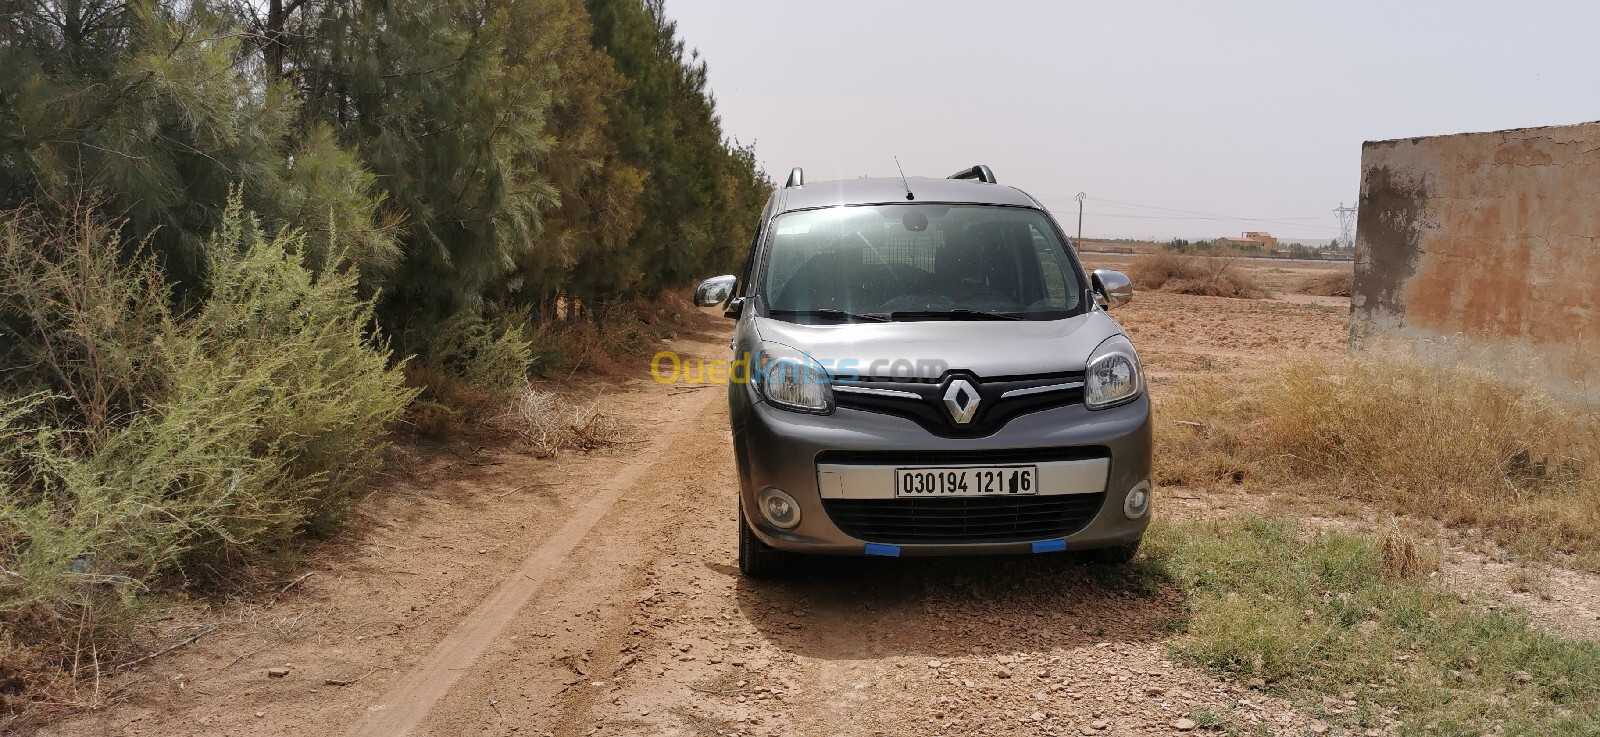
column 963, row 519
column 994, row 408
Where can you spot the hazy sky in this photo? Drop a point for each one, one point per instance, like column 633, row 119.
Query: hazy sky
column 1160, row 111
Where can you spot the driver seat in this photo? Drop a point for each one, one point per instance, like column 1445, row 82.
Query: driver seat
column 986, row 254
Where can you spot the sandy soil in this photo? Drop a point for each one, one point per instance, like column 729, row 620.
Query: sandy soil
column 493, row 593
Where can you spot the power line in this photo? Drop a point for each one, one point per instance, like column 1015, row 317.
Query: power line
column 1327, row 228
column 1210, row 217
column 1299, row 223
column 1285, row 221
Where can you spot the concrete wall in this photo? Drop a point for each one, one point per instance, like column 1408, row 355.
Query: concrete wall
column 1485, row 247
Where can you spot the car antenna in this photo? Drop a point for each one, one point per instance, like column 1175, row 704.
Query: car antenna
column 903, row 183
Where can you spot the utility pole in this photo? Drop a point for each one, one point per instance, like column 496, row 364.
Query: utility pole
column 1081, row 198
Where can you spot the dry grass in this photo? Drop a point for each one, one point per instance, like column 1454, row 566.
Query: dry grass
column 551, row 423
column 1404, row 556
column 1453, row 443
column 1207, row 276
column 1332, row 284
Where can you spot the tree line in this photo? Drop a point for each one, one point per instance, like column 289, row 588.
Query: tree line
column 537, row 157
column 241, row 240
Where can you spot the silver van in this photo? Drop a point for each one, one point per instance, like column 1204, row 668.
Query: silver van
column 922, row 367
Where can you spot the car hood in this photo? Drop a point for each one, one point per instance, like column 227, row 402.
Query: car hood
column 985, row 348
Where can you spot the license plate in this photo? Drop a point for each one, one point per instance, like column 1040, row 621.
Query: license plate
column 966, row 481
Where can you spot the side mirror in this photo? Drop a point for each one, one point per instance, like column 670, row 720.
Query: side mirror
column 715, row 291
column 1111, row 288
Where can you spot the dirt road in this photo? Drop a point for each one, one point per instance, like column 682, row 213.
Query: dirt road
column 495, row 593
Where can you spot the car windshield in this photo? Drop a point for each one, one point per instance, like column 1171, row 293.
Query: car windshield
column 919, row 262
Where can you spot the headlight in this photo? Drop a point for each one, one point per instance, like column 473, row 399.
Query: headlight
column 1113, row 376
column 791, row 379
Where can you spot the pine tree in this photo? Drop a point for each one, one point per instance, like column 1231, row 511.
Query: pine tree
column 599, row 194
column 451, row 119
column 153, row 111
column 665, row 123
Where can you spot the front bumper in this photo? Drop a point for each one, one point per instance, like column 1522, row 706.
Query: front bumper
column 777, row 448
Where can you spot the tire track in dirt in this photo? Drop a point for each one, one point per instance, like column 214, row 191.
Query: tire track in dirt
column 567, row 651
column 411, row 701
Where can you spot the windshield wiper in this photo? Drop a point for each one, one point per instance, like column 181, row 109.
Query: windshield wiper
column 828, row 314
column 952, row 315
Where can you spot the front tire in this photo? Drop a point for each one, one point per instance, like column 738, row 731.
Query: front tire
column 1115, row 555
column 758, row 559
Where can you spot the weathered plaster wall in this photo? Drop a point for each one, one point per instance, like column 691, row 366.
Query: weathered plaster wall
column 1486, row 247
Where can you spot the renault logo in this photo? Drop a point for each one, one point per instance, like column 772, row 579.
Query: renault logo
column 961, row 399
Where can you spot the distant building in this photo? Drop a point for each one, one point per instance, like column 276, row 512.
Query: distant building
column 1252, row 239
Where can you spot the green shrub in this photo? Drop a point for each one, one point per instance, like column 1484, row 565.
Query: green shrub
column 474, row 368
column 139, row 442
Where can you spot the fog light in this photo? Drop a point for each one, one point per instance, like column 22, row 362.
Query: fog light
column 1137, row 503
column 779, row 509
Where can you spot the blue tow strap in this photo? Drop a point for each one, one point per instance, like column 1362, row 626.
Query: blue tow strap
column 1049, row 546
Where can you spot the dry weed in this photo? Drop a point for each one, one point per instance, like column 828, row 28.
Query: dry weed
column 1457, row 444
column 1332, row 284
column 550, row 423
column 1405, row 556
column 1208, row 276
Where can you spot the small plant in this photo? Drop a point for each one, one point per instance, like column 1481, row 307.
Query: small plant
column 1209, row 720
column 1525, row 580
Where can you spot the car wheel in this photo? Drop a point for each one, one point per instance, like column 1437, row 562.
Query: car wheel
column 758, row 559
column 1115, row 555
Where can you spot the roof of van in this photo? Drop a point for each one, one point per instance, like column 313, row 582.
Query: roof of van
column 886, row 190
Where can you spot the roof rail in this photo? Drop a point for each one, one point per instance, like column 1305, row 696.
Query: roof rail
column 797, row 178
column 979, row 172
